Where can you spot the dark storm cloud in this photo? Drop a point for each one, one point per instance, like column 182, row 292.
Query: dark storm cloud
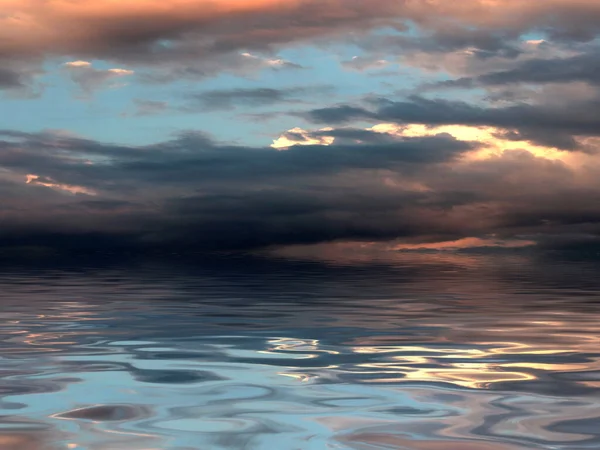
column 194, row 194
column 193, row 156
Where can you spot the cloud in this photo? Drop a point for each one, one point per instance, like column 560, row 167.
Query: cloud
column 191, row 156
column 10, row 79
column 272, row 63
column 473, row 55
column 180, row 192
column 182, row 39
column 409, row 183
column 48, row 182
column 18, row 77
column 149, row 107
column 186, row 66
column 511, row 157
column 249, row 97
column 467, row 243
column 584, row 67
column 362, row 63
column 542, row 122
column 89, row 79
column 298, row 136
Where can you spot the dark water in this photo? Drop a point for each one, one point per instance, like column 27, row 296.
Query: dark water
column 424, row 352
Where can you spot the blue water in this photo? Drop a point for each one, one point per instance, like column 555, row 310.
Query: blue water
column 420, row 352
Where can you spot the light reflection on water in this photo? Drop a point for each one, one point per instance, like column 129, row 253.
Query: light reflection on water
column 474, row 353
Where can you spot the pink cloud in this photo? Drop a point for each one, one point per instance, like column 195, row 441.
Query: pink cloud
column 138, row 28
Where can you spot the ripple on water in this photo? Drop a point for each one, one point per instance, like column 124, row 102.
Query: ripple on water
column 490, row 355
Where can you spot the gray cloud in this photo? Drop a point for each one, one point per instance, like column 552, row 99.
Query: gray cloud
column 10, row 79
column 89, row 79
column 363, row 63
column 149, row 107
column 484, row 42
column 579, row 68
column 193, row 156
column 533, row 120
column 194, row 194
column 18, row 77
column 249, row 97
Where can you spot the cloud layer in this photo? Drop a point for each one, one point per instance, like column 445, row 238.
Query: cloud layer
column 471, row 121
column 184, row 38
column 195, row 194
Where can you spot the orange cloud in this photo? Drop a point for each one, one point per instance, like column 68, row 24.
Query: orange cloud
column 48, row 182
column 302, row 137
column 470, row 242
column 494, row 144
column 177, row 39
column 39, row 26
column 36, row 25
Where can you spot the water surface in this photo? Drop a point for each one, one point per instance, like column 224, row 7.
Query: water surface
column 423, row 352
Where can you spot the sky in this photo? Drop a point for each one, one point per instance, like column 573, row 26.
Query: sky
column 202, row 125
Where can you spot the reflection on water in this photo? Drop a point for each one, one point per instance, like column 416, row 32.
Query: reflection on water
column 474, row 353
